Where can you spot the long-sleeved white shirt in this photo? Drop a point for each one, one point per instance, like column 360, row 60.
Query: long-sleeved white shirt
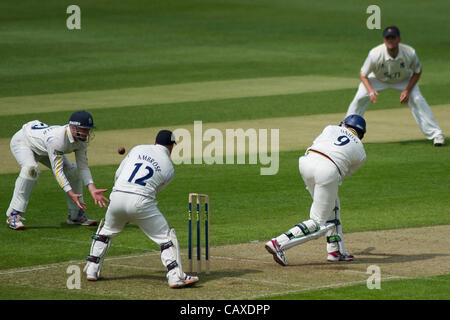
column 54, row 142
column 146, row 170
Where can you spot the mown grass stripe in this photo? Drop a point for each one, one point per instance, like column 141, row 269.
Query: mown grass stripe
column 295, row 133
column 195, row 91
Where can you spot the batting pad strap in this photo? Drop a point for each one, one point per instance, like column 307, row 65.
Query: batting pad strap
column 172, row 265
column 304, row 228
column 166, row 245
column 336, row 222
column 100, row 237
column 334, row 239
column 93, row 259
column 289, row 235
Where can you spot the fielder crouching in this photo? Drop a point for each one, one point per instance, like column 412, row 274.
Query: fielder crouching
column 144, row 172
column 38, row 142
column 334, row 155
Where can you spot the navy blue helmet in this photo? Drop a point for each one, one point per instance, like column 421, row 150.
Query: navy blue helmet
column 82, row 119
column 356, row 122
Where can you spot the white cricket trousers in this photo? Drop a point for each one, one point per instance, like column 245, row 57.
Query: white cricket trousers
column 417, row 103
column 29, row 174
column 130, row 207
column 322, row 180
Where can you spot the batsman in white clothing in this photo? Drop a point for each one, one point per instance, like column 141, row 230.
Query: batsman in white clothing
column 393, row 65
column 38, row 142
column 334, row 155
column 144, row 172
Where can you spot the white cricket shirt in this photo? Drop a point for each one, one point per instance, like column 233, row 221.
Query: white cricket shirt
column 392, row 70
column 146, row 170
column 54, row 142
column 343, row 147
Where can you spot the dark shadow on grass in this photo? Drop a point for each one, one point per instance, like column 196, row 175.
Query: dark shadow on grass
column 37, row 227
column 204, row 278
column 64, row 225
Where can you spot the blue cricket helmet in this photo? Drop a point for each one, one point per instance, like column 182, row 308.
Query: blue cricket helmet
column 356, row 122
column 82, row 119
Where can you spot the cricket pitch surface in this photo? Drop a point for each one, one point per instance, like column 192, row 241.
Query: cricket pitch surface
column 247, row 270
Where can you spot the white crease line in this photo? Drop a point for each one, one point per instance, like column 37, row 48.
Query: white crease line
column 335, row 285
column 26, row 270
column 329, row 286
column 71, row 262
column 241, row 259
column 384, row 274
column 265, row 281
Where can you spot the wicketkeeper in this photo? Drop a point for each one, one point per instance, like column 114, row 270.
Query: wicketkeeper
column 144, row 173
column 334, row 155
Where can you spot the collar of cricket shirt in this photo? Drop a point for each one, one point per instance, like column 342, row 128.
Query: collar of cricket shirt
column 387, row 56
column 69, row 134
column 163, row 148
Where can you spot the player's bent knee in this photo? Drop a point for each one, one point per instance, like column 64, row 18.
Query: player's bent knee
column 30, row 172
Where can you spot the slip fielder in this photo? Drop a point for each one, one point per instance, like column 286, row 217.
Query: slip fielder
column 393, row 65
column 334, row 155
column 38, row 142
column 143, row 174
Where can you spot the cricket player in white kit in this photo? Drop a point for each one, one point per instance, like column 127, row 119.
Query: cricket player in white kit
column 38, row 142
column 144, row 173
column 334, row 155
column 393, row 65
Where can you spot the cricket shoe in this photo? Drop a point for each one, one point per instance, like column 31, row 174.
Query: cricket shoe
column 92, row 271
column 275, row 250
column 439, row 141
column 82, row 219
column 176, row 282
column 14, row 220
column 337, row 256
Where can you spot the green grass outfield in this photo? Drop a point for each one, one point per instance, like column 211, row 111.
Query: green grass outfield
column 245, row 205
column 432, row 288
column 138, row 44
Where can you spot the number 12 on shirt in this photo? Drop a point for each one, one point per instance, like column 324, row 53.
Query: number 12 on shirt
column 142, row 178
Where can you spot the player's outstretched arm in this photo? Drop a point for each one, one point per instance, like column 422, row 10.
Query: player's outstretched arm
column 76, row 198
column 97, row 195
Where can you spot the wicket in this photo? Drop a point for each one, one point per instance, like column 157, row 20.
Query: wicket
column 198, row 220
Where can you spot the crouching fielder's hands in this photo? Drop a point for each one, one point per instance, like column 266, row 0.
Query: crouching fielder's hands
column 97, row 195
column 76, row 198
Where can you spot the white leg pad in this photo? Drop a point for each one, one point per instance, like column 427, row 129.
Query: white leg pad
column 175, row 248
column 24, row 186
column 99, row 248
column 303, row 232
